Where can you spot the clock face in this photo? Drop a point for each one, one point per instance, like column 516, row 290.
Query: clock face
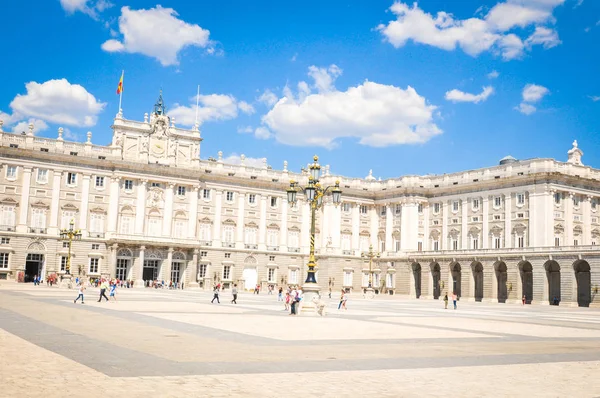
column 158, row 148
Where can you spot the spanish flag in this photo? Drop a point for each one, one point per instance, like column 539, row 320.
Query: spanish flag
column 120, row 86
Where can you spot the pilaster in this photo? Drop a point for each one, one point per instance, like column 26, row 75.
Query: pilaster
column 283, row 234
column 192, row 275
column 569, row 221
column 56, row 179
column 168, row 216
column 140, row 207
column 486, row 222
column 193, row 212
column 113, row 209
column 587, row 221
column 389, row 228
column 355, row 226
column 262, row 224
column 240, row 221
column 24, row 204
column 217, row 238
column 139, row 281
column 509, row 239
column 444, row 244
column 85, row 199
column 464, row 230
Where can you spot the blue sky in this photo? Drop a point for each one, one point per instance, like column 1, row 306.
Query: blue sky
column 437, row 87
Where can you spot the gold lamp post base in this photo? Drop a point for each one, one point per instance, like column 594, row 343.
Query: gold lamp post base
column 311, row 296
column 66, row 282
column 369, row 293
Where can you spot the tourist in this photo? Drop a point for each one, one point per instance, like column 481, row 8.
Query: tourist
column 216, row 295
column 280, row 294
column 257, row 289
column 293, row 302
column 523, row 300
column 454, row 298
column 287, row 301
column 113, row 291
column 103, row 287
column 446, row 301
column 234, row 293
column 344, row 300
column 341, row 299
column 80, row 296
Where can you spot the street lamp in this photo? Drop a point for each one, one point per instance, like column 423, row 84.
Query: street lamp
column 69, row 235
column 370, row 255
column 314, row 193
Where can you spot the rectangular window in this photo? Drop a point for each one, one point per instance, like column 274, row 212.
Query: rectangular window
column 346, row 207
column 272, row 259
column 126, row 225
column 154, row 226
column 556, row 241
column 520, row 215
column 497, row 201
column 42, row 176
column 205, row 232
column 203, row 254
column 520, row 241
column 475, row 204
column 227, row 255
column 520, row 198
column 363, row 209
column 97, row 223
column 455, row 206
column 8, row 216
column 271, row 275
column 382, row 210
column 94, row 265
column 5, row 241
column 475, row 244
column 436, row 208
column 181, row 190
column 128, row 185
column 4, row 260
column 557, row 197
column 180, row 229
column 155, row 185
column 436, row 245
column 475, row 219
column 497, row 242
column 398, row 209
column 229, row 196
column 594, row 204
column 99, row 182
column 206, row 194
column 455, row 221
column 575, row 200
column 497, row 217
column 38, row 218
column 273, row 201
column 202, row 271
column 436, row 222
column 420, row 208
column 63, row 263
column 575, row 242
column 11, row 172
column 454, row 244
column 95, row 246
column 348, row 278
column 293, row 279
column 228, row 233
column 226, row 272
column 251, row 198
column 71, row 178
column 122, row 265
column 65, row 245
column 420, row 246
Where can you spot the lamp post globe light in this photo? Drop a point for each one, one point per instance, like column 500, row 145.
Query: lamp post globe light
column 370, row 292
column 69, row 235
column 314, row 193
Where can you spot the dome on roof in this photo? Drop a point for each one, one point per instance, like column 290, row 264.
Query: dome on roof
column 507, row 159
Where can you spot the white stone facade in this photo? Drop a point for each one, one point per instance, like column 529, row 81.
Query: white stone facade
column 149, row 208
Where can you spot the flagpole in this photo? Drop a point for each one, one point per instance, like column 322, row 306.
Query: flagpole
column 121, row 93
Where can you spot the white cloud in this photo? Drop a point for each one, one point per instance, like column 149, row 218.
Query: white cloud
column 89, row 7
column 526, row 109
column 245, row 129
column 473, row 35
column 294, row 57
column 459, row 96
column 376, row 114
column 578, row 3
column 250, row 162
column 323, row 77
column 262, row 133
column 213, row 107
column 493, row 74
column 57, row 101
column 595, row 98
column 268, row 98
column 533, row 93
column 23, row 126
column 157, row 33
column 544, row 37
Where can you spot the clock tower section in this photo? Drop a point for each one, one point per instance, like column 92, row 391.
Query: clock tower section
column 156, row 140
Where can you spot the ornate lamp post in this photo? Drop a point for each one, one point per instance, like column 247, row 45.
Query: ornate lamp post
column 68, row 235
column 314, row 195
column 370, row 255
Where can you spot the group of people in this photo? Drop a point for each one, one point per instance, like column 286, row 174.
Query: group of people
column 162, row 284
column 454, row 299
column 105, row 284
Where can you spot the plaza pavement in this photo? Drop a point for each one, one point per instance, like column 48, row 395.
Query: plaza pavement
column 176, row 344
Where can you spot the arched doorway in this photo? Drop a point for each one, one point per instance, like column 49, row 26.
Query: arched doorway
column 456, row 271
column 584, row 283
column 477, row 280
column 436, row 276
column 526, row 271
column 152, row 265
column 553, row 276
column 250, row 273
column 35, row 261
column 416, row 269
column 502, row 279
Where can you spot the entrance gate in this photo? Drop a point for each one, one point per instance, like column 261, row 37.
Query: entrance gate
column 151, row 270
column 33, row 266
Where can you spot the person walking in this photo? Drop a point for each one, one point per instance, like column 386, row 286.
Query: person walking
column 287, row 301
column 234, row 292
column 454, row 298
column 294, row 302
column 280, row 294
column 523, row 300
column 113, row 291
column 103, row 288
column 341, row 299
column 215, row 295
column 446, row 301
column 80, row 296
column 344, row 300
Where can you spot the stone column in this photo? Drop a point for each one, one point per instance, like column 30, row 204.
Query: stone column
column 409, row 227
column 464, row 229
column 355, row 227
column 444, row 245
column 193, row 212
column 389, row 228
column 139, row 281
column 168, row 217
column 570, row 298
column 518, row 283
column 85, row 200
column 494, row 282
column 412, row 290
column 56, row 179
column 165, row 268
column 24, row 203
column 283, row 235
column 112, row 270
column 486, row 222
column 262, row 224
column 240, row 222
column 374, row 226
column 426, row 246
column 587, row 220
column 217, row 223
column 508, row 240
column 113, row 209
column 140, row 207
column 192, row 275
column 569, row 221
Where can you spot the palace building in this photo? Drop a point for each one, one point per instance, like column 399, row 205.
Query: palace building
column 148, row 207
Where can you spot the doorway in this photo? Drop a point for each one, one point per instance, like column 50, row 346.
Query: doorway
column 250, row 276
column 151, row 270
column 33, row 266
column 175, row 271
column 417, row 275
column 436, row 276
column 502, row 280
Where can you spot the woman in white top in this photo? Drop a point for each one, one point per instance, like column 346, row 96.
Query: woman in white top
column 80, row 296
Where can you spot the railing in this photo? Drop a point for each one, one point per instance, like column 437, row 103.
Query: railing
column 205, row 243
column 96, row 234
column 273, row 248
column 228, row 244
column 37, row 230
column 9, row 228
column 294, row 249
column 519, row 250
column 250, row 246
